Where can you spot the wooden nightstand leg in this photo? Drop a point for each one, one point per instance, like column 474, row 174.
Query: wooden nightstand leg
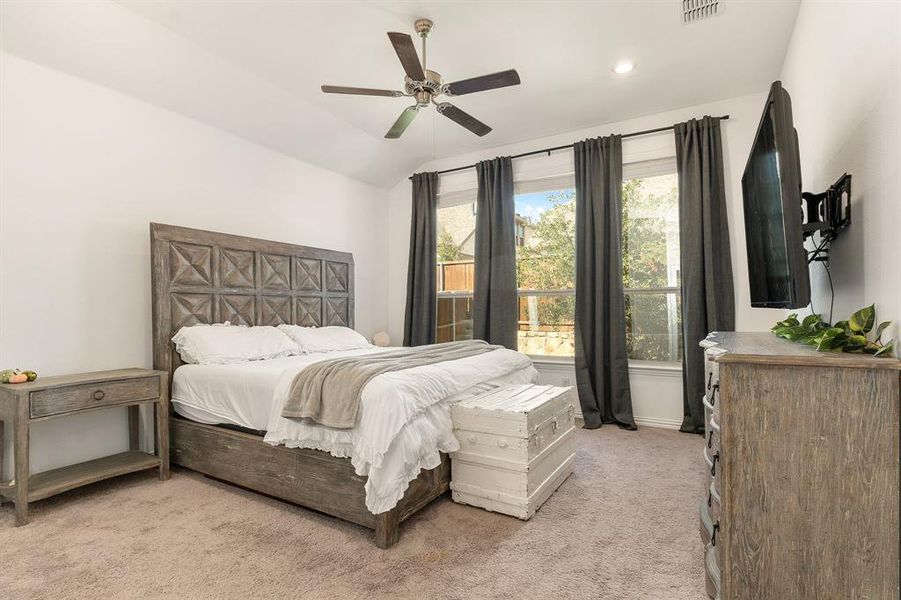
column 2, row 441
column 22, row 471
column 162, row 428
column 134, row 427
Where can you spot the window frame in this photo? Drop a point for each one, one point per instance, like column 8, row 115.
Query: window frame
column 644, row 169
column 631, row 170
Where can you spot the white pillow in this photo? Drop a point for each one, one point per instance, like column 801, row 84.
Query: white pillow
column 325, row 339
column 223, row 344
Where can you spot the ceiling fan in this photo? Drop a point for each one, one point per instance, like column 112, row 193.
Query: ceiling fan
column 425, row 85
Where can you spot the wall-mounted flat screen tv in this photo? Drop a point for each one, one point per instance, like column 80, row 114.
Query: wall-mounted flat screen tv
column 771, row 186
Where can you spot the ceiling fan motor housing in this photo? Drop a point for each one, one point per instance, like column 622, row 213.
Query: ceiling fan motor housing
column 423, row 91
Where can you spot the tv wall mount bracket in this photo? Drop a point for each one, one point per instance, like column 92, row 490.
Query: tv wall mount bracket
column 827, row 213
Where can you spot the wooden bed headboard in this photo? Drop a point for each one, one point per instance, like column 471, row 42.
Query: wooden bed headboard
column 207, row 277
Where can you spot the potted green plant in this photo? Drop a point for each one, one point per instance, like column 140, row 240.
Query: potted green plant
column 852, row 335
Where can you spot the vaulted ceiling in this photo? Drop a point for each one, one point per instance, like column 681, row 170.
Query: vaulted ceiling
column 254, row 68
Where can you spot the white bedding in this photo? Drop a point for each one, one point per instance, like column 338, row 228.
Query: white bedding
column 239, row 394
column 404, row 419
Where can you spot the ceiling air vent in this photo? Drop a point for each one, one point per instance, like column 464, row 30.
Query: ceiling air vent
column 697, row 10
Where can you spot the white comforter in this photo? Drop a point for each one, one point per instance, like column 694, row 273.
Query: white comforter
column 405, row 420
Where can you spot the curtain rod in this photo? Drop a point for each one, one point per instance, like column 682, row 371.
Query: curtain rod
column 556, row 148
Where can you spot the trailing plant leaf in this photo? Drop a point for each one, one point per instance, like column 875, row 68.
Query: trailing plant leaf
column 882, row 327
column 831, row 338
column 793, row 332
column 858, row 340
column 843, row 325
column 789, row 321
column 885, row 350
column 811, row 321
column 862, row 321
column 856, row 343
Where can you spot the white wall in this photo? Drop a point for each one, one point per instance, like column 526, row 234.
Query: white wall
column 843, row 72
column 84, row 170
column 656, row 394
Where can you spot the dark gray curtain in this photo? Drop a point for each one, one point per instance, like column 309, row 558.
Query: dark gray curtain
column 602, row 363
column 495, row 307
column 421, row 314
column 708, row 299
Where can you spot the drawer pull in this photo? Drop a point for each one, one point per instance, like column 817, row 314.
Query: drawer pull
column 709, row 499
column 709, row 380
column 98, row 395
column 716, row 457
column 710, row 440
column 716, row 527
column 472, row 439
column 714, row 389
column 502, row 444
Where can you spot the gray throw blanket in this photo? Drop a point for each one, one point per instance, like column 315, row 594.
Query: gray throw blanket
column 328, row 392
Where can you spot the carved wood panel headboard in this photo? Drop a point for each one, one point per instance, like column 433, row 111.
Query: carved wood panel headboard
column 207, row 277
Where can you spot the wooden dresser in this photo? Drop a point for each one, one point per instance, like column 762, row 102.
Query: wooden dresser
column 801, row 453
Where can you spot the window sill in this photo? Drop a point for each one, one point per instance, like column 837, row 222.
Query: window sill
column 635, row 366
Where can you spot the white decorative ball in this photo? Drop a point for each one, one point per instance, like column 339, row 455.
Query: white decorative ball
column 381, row 339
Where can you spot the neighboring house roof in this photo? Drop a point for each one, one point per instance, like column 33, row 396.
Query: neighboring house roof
column 459, row 223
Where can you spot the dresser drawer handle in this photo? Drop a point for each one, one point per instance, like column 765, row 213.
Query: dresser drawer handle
column 716, row 386
column 98, row 395
column 716, row 457
column 710, row 440
column 502, row 444
column 709, row 380
column 472, row 439
column 716, row 527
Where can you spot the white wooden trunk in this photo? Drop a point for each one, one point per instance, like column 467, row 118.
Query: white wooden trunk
column 517, row 445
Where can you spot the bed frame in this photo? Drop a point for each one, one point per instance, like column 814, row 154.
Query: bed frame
column 207, row 277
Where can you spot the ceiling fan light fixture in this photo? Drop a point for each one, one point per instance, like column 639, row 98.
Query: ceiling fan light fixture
column 624, row 67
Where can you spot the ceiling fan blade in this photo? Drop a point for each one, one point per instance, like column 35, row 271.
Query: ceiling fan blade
column 403, row 121
column 406, row 52
column 485, row 82
column 462, row 118
column 339, row 89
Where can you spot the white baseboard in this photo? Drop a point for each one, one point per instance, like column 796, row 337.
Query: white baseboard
column 655, row 422
column 646, row 421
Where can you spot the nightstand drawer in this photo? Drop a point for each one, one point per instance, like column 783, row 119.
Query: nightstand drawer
column 59, row 400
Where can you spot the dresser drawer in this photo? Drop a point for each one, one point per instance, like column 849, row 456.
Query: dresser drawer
column 711, row 371
column 712, row 381
column 713, row 571
column 713, row 504
column 712, row 435
column 64, row 399
column 712, row 464
column 705, row 527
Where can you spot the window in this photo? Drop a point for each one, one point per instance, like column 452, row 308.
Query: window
column 545, row 271
column 456, row 246
column 546, row 266
column 545, row 258
column 651, row 265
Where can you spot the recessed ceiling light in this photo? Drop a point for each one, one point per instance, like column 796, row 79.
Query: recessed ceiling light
column 623, row 67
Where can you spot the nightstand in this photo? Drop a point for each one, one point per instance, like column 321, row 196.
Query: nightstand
column 55, row 397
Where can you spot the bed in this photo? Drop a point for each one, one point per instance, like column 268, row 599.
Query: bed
column 206, row 277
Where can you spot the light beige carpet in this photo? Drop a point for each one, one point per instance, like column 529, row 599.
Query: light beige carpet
column 623, row 525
